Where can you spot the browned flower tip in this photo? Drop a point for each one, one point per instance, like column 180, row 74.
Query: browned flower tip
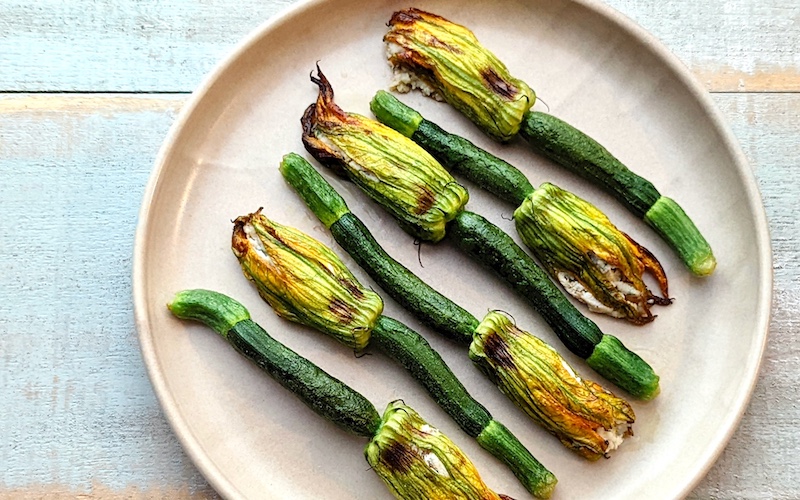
column 654, row 268
column 389, row 167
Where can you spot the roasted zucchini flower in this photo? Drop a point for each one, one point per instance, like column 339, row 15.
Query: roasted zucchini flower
column 389, row 167
column 304, row 281
column 445, row 61
column 583, row 415
column 418, row 462
column 593, row 260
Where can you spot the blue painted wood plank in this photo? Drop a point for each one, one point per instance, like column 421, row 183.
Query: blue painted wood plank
column 77, row 409
column 167, row 46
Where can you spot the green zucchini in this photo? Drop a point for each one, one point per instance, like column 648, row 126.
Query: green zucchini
column 571, row 148
column 495, row 249
column 429, row 306
column 326, row 395
column 410, row 477
column 407, row 347
column 565, row 232
column 488, row 244
column 500, row 106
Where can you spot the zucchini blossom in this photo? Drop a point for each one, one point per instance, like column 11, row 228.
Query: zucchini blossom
column 594, row 261
column 304, row 281
column 389, row 167
column 445, row 61
column 583, row 415
column 418, row 462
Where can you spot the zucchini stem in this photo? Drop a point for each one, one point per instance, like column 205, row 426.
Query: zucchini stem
column 676, row 228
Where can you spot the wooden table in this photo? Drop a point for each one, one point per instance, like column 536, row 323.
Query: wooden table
column 87, row 93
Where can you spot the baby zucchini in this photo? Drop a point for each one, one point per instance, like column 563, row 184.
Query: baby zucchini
column 414, row 460
column 304, row 281
column 406, row 180
column 445, row 60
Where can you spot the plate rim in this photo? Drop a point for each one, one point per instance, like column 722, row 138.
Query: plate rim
column 192, row 446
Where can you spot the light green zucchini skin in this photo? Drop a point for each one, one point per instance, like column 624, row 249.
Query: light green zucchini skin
column 326, row 395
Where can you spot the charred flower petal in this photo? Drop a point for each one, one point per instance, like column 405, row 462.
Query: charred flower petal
column 389, row 167
column 445, row 60
column 593, row 260
column 304, row 281
column 583, row 415
column 416, row 461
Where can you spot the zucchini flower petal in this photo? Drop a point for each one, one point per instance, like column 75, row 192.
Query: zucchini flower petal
column 391, row 168
column 593, row 260
column 304, row 281
column 583, row 415
column 445, row 60
column 418, row 462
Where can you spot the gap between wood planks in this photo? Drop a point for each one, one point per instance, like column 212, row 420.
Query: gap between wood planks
column 100, row 491
column 89, row 102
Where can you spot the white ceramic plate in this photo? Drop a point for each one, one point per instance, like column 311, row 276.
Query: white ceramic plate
column 594, row 68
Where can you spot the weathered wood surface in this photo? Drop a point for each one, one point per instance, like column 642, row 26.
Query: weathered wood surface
column 167, row 45
column 78, row 415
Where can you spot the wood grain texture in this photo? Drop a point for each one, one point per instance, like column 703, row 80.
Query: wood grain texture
column 167, row 46
column 79, row 417
column 761, row 460
column 78, row 410
column 731, row 46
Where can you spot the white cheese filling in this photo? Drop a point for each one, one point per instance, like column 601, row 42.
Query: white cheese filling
column 580, row 292
column 256, row 243
column 405, row 81
column 613, row 437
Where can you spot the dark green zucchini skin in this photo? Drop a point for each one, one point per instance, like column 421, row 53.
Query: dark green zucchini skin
column 479, row 166
column 606, row 355
column 495, row 249
column 426, row 304
column 571, row 148
column 411, row 350
column 407, row 347
column 326, row 395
